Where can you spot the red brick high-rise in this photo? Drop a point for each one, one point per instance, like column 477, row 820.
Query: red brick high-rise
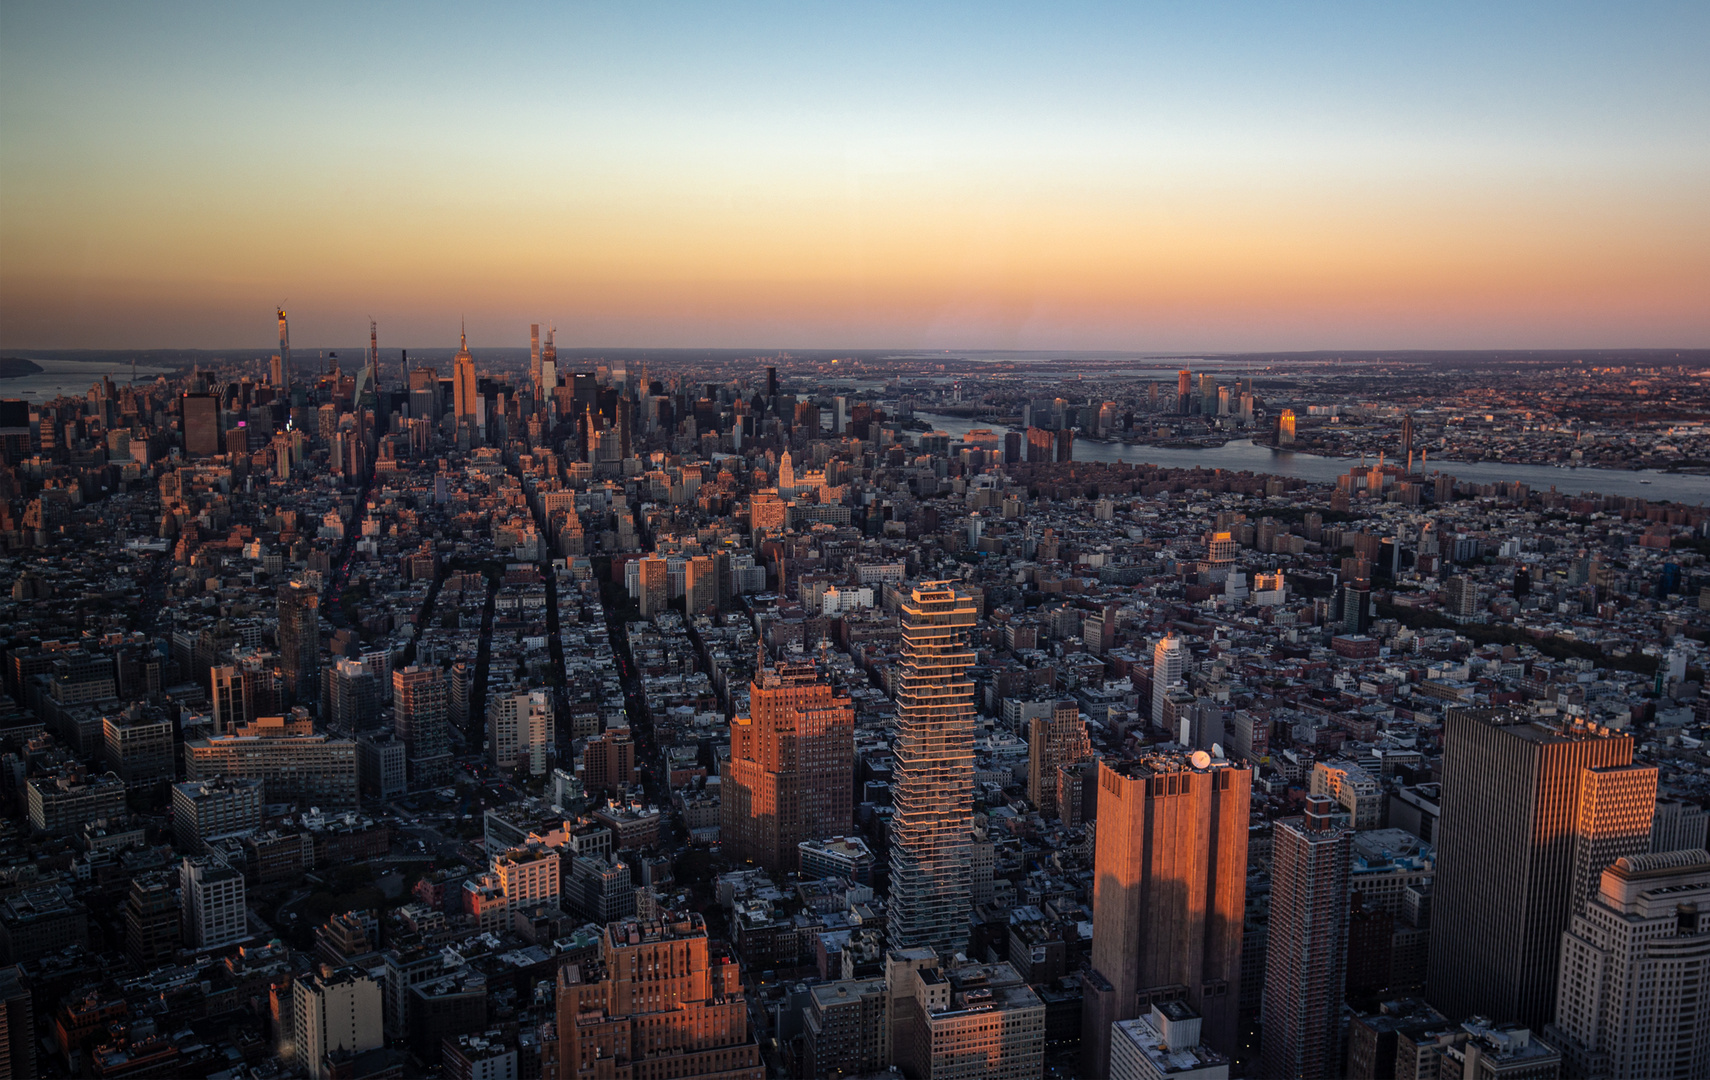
column 657, row 1003
column 792, row 767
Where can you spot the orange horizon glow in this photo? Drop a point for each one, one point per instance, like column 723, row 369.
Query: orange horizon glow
column 851, row 220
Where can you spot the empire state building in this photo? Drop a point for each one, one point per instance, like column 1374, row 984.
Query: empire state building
column 463, row 387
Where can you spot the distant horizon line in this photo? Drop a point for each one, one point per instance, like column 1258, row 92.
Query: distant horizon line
column 833, row 351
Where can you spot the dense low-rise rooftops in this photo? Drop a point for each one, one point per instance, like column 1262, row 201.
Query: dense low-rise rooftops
column 644, row 931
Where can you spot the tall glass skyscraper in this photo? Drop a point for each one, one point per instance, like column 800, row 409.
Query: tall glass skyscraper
column 931, row 879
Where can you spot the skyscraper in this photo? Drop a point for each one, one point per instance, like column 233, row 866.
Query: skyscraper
column 201, row 419
column 300, row 640
column 1184, row 391
column 931, row 879
column 1053, row 741
column 1306, row 953
column 534, row 358
column 284, row 356
column 419, row 716
column 792, row 767
column 1523, row 811
column 549, row 363
column 1629, row 1001
column 1169, row 662
column 1169, row 896
column 463, row 387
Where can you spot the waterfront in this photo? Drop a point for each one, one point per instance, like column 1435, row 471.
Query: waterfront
column 72, row 378
column 1241, row 455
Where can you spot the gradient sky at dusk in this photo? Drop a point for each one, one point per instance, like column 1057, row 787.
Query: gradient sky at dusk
column 1111, row 176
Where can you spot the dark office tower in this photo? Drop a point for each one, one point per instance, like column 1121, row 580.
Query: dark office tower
column 17, row 1025
column 771, row 383
column 1169, row 896
column 1066, row 444
column 227, row 685
column 931, row 876
column 726, row 580
column 151, row 920
column 1356, row 608
column 587, row 390
column 201, row 425
column 284, row 356
column 419, row 716
column 1306, row 953
column 792, row 767
column 1407, row 441
column 1184, row 390
column 1526, row 810
column 1011, row 447
column 300, row 640
column 625, row 420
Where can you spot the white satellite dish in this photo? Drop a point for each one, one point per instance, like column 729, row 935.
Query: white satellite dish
column 1201, row 759
column 1217, row 750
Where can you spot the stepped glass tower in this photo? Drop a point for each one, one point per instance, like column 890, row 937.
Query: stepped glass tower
column 931, row 879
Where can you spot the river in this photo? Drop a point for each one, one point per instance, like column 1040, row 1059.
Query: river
column 72, row 378
column 1240, row 455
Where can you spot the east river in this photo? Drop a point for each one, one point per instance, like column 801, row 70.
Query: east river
column 1240, row 455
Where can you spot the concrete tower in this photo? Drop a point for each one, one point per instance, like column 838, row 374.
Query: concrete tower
column 1633, row 959
column 1169, row 896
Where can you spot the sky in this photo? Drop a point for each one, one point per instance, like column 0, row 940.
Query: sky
column 1211, row 177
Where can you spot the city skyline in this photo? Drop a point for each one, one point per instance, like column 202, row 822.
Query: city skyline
column 1315, row 177
column 937, row 542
